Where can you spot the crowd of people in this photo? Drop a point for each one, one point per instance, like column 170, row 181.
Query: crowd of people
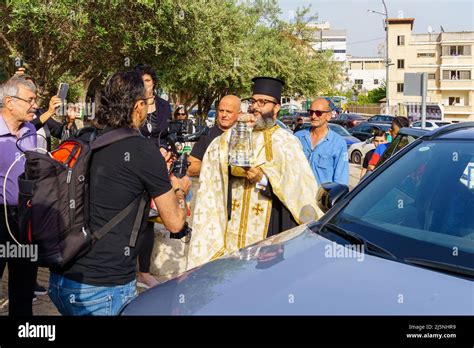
column 232, row 206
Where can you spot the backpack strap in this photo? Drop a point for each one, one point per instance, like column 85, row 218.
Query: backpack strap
column 113, row 136
column 141, row 200
column 138, row 220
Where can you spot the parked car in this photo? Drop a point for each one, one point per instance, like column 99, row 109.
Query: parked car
column 339, row 130
column 348, row 120
column 291, row 120
column 366, row 130
column 430, row 124
column 211, row 118
column 400, row 243
column 381, row 119
column 357, row 151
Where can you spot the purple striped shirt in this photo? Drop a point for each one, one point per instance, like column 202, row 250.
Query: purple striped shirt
column 8, row 153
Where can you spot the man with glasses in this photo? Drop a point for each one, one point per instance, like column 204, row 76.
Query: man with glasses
column 325, row 150
column 18, row 98
column 239, row 206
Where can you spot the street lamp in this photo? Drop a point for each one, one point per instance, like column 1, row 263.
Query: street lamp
column 387, row 62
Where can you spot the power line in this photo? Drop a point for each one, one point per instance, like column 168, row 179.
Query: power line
column 358, row 42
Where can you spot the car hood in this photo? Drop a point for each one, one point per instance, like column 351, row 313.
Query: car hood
column 351, row 140
column 301, row 273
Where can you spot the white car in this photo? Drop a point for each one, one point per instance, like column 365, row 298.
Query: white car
column 430, row 124
column 358, row 150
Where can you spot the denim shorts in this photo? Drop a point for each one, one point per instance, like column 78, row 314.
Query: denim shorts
column 73, row 298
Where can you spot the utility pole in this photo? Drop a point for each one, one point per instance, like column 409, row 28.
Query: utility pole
column 387, row 60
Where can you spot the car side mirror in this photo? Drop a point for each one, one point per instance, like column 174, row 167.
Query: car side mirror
column 369, row 140
column 329, row 194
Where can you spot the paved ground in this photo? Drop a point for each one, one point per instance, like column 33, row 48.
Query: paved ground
column 43, row 306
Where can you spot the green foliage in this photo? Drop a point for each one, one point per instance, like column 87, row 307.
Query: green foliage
column 375, row 95
column 202, row 49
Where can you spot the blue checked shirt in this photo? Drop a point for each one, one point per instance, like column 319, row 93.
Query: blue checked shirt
column 328, row 160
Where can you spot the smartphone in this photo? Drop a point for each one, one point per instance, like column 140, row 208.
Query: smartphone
column 62, row 91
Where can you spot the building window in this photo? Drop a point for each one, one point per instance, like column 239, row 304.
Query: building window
column 400, row 87
column 401, row 40
column 432, row 76
column 456, row 74
column 425, row 54
column 401, row 63
column 359, row 82
column 339, row 51
column 457, row 50
column 454, row 100
column 376, row 82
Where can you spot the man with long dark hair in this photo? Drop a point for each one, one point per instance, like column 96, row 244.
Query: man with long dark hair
column 103, row 280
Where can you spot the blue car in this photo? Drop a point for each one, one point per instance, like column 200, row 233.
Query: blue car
column 400, row 243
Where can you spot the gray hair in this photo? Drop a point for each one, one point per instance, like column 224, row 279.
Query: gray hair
column 12, row 86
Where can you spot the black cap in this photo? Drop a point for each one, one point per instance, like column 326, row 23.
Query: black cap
column 268, row 86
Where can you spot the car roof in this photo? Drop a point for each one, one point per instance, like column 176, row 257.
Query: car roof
column 352, row 114
column 462, row 130
column 416, row 132
column 381, row 125
column 383, row 115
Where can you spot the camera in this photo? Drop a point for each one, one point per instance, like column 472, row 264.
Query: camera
column 179, row 133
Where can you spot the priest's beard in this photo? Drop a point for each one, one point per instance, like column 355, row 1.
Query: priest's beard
column 265, row 121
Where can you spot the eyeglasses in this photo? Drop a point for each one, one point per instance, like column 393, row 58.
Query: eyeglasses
column 318, row 113
column 181, row 114
column 260, row 102
column 31, row 101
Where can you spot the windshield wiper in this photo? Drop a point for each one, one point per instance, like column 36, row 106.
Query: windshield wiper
column 442, row 266
column 369, row 247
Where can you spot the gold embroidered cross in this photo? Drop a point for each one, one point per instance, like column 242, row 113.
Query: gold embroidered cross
column 198, row 214
column 256, row 224
column 212, row 228
column 235, row 204
column 257, row 209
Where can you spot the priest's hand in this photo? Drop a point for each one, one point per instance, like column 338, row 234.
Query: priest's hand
column 254, row 175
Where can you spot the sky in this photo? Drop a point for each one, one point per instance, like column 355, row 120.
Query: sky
column 365, row 30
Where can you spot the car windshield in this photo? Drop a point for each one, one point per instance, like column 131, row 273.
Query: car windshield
column 339, row 130
column 396, row 145
column 422, row 206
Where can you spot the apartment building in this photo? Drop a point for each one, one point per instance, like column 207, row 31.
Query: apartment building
column 448, row 60
column 328, row 39
column 366, row 73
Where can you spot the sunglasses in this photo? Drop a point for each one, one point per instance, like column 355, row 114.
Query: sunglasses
column 318, row 113
column 181, row 114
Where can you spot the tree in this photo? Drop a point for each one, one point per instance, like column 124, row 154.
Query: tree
column 375, row 95
column 202, row 49
column 78, row 39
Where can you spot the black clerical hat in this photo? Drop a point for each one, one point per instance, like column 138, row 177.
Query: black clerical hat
column 268, row 86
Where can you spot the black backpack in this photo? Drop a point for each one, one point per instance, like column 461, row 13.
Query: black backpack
column 54, row 199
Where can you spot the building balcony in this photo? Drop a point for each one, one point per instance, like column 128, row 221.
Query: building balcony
column 460, row 110
column 457, row 60
column 457, row 85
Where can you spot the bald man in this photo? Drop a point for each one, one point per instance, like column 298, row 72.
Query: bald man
column 325, row 150
column 227, row 113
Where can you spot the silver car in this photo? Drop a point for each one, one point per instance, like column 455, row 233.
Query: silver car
column 401, row 243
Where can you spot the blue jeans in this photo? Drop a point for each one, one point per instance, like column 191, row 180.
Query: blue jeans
column 73, row 298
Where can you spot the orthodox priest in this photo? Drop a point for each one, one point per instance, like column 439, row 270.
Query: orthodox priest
column 238, row 206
